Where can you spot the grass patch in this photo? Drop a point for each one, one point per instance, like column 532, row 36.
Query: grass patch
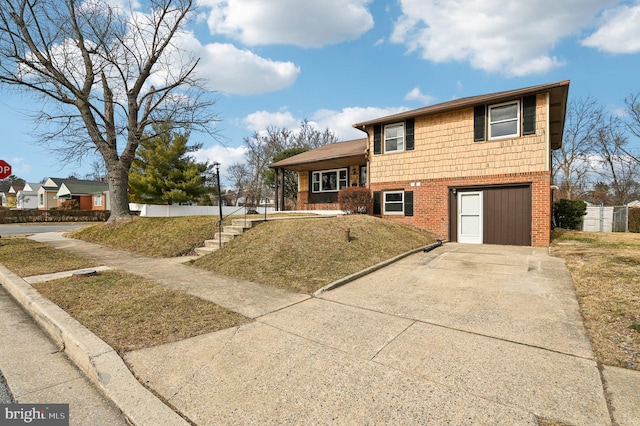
column 152, row 236
column 605, row 268
column 129, row 312
column 25, row 258
column 306, row 254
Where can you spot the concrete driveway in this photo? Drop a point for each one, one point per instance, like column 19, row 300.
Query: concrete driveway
column 460, row 335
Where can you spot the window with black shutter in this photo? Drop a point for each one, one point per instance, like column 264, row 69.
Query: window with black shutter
column 409, row 134
column 408, row 203
column 377, row 199
column 377, row 139
column 479, row 123
column 529, row 115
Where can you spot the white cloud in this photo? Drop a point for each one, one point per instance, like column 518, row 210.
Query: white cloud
column 230, row 70
column 339, row 122
column 221, row 154
column 301, row 23
column 416, row 95
column 260, row 120
column 511, row 38
column 620, row 30
column 19, row 167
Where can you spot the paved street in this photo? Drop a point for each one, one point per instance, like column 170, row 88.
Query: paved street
column 5, row 397
column 36, row 228
column 38, row 372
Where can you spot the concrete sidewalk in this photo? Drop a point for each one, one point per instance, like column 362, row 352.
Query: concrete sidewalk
column 460, row 335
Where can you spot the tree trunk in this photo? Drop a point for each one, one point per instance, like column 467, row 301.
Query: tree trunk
column 118, row 179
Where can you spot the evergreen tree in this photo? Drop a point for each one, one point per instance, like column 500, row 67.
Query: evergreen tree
column 163, row 172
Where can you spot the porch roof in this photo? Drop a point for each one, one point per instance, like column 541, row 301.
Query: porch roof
column 332, row 156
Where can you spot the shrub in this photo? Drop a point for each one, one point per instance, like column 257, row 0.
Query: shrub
column 70, row 205
column 634, row 219
column 568, row 213
column 355, row 200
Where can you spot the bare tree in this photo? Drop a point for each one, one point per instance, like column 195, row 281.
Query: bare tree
column 105, row 75
column 619, row 169
column 238, row 174
column 632, row 103
column 571, row 163
column 263, row 148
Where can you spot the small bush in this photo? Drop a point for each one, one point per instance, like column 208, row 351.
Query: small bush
column 70, row 205
column 568, row 213
column 355, row 200
column 634, row 219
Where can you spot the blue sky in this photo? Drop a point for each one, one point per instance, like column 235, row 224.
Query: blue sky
column 339, row 62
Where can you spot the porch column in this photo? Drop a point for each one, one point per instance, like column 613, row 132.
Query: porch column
column 281, row 175
column 277, row 200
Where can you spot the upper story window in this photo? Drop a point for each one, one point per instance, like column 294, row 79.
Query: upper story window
column 504, row 120
column 394, row 138
column 329, row 180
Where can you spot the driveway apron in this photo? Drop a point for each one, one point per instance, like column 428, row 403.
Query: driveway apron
column 461, row 335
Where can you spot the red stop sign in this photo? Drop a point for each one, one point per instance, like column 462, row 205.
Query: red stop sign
column 5, row 169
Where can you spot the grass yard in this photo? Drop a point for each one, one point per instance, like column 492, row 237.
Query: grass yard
column 605, row 268
column 126, row 311
column 129, row 312
column 154, row 237
column 26, row 258
column 304, row 255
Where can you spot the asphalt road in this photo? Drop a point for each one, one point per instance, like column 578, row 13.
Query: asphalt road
column 36, row 228
column 5, row 396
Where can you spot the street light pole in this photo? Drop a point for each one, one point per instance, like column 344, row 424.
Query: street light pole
column 217, row 166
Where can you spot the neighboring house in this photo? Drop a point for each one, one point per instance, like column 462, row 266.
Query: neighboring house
column 28, row 197
column 10, row 199
column 47, row 193
column 471, row 170
column 91, row 195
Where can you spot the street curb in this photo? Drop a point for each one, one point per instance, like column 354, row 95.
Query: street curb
column 96, row 359
column 370, row 269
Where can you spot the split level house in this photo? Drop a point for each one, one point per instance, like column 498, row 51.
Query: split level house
column 472, row 170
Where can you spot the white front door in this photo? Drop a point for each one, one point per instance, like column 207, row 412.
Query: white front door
column 470, row 217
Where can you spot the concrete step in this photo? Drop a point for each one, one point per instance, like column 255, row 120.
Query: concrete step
column 203, row 251
column 246, row 224
column 234, row 229
column 237, row 228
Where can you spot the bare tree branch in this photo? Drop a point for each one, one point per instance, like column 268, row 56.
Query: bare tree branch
column 105, row 75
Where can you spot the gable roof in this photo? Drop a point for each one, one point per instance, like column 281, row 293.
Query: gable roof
column 557, row 107
column 335, row 155
column 31, row 187
column 81, row 187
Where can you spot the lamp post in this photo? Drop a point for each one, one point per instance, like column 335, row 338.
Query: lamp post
column 217, row 166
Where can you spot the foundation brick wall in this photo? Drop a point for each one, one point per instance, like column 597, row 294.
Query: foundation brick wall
column 431, row 201
column 303, row 203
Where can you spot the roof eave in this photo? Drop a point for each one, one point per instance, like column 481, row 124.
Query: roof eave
column 465, row 103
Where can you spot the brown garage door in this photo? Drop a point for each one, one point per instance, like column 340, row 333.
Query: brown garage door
column 507, row 215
